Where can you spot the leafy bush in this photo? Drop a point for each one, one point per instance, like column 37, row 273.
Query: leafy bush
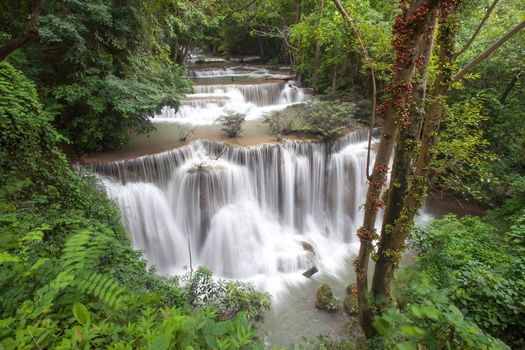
column 463, row 159
column 326, row 119
column 479, row 271
column 435, row 323
column 232, row 123
column 279, row 123
column 226, row 297
column 69, row 277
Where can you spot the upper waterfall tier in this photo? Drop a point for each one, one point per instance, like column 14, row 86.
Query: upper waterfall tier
column 241, row 89
column 243, row 212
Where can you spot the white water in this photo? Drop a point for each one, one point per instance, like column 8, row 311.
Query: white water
column 244, row 212
column 254, row 96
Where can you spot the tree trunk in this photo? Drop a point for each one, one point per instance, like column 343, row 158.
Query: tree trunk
column 29, row 37
column 417, row 192
column 410, row 25
column 297, row 11
column 405, row 150
column 318, row 47
column 509, row 87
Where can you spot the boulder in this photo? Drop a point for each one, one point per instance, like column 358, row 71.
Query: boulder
column 325, row 299
column 350, row 303
column 308, row 247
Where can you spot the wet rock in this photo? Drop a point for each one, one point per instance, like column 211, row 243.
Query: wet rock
column 308, row 247
column 325, row 299
column 310, row 272
column 350, row 303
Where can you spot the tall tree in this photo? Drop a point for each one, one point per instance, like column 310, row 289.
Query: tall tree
column 415, row 150
column 411, row 23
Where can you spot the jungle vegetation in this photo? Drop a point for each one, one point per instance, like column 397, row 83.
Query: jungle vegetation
column 442, row 79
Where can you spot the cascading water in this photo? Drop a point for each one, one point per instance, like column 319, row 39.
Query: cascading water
column 243, row 212
column 242, row 89
column 263, row 213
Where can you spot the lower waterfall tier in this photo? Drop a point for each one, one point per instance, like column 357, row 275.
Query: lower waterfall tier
column 243, row 212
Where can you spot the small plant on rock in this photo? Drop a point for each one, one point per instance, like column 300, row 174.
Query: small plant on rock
column 184, row 133
column 325, row 299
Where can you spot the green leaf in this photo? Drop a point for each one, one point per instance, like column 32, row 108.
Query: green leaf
column 220, row 328
column 412, row 330
column 81, row 314
column 161, row 342
column 407, row 345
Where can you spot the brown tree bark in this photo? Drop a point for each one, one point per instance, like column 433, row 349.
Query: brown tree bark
column 416, row 193
column 298, row 4
column 29, row 37
column 368, row 60
column 410, row 25
column 405, row 150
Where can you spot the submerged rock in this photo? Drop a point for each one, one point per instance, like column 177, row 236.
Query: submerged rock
column 310, row 272
column 325, row 299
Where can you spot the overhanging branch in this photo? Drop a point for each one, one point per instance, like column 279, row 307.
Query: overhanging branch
column 29, row 37
column 478, row 29
column 488, row 51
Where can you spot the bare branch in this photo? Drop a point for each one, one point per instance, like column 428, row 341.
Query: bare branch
column 478, row 29
column 488, row 51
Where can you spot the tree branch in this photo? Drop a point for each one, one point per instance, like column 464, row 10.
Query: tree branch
column 488, row 51
column 29, row 37
column 509, row 87
column 243, row 7
column 478, row 29
column 368, row 60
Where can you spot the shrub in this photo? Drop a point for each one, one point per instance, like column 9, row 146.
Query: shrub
column 327, row 119
column 184, row 133
column 477, row 269
column 232, row 123
column 435, row 323
column 279, row 123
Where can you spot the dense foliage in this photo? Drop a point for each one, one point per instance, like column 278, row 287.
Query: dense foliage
column 100, row 69
column 465, row 289
column 69, row 277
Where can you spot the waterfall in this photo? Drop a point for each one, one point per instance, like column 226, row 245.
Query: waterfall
column 243, row 89
column 245, row 211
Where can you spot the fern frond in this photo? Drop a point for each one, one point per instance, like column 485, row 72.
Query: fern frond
column 102, row 287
